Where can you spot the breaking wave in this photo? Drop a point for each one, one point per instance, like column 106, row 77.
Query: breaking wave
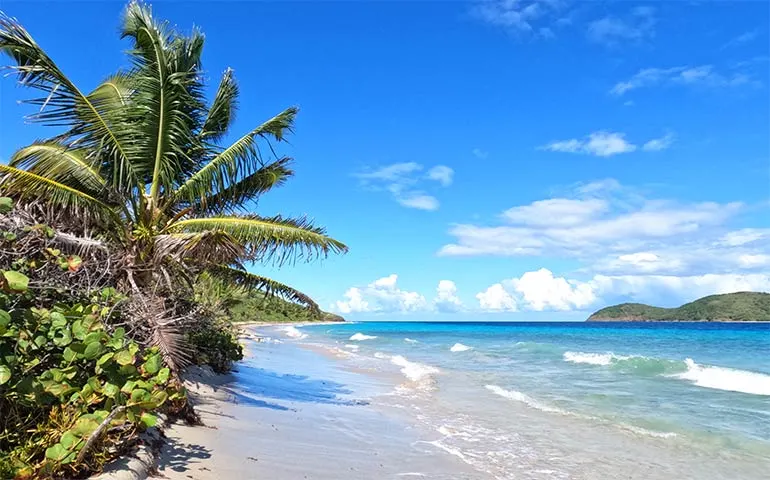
column 293, row 332
column 357, row 337
column 459, row 347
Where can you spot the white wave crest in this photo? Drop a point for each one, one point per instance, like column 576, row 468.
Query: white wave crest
column 412, row 370
column 352, row 347
column 523, row 398
column 592, row 358
column 721, row 378
column 459, row 347
column 409, row 340
column 293, row 332
column 648, row 433
column 357, row 337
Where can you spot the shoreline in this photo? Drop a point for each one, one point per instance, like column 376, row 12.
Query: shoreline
column 290, row 413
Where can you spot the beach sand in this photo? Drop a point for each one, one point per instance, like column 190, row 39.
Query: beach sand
column 287, row 414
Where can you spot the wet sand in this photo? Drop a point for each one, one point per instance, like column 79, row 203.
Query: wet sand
column 289, row 413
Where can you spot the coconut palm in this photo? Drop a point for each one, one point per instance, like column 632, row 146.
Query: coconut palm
column 141, row 161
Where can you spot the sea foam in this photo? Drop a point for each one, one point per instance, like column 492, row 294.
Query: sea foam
column 293, row 332
column 459, row 347
column 414, row 371
column 523, row 398
column 409, row 340
column 721, row 378
column 357, row 337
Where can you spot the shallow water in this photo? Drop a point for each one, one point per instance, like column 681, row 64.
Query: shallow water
column 573, row 400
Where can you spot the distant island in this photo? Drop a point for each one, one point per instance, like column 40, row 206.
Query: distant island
column 730, row 307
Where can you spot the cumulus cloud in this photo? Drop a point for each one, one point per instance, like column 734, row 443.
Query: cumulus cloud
column 542, row 291
column 382, row 295
column 611, row 30
column 496, row 299
column 403, row 182
column 446, row 297
column 701, row 75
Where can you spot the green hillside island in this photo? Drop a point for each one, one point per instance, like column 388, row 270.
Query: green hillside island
column 730, row 307
column 275, row 310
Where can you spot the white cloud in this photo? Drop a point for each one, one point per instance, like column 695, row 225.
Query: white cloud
column 658, row 144
column 615, row 229
column 519, row 16
column 381, row 296
column 419, row 201
column 395, row 172
column 402, row 181
column 744, row 236
column 702, row 75
column 741, row 39
column 442, row 174
column 602, row 144
column 556, row 212
column 446, row 297
column 354, row 303
column 496, row 298
column 479, row 153
column 612, row 30
column 541, row 291
column 753, row 261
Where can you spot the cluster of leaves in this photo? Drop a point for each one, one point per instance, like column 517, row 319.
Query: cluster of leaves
column 216, row 345
column 71, row 391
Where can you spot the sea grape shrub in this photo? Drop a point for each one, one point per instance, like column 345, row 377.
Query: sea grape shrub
column 64, row 378
column 216, row 345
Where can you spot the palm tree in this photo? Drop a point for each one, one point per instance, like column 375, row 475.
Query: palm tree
column 140, row 161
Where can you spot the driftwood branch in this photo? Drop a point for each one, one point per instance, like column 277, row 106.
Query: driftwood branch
column 98, row 432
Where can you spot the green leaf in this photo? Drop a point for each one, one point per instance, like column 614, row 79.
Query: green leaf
column 104, row 358
column 153, row 364
column 163, row 375
column 6, row 204
column 111, row 390
column 69, row 354
column 140, row 396
column 69, row 440
column 5, row 318
column 85, row 425
column 5, row 374
column 79, row 330
column 149, row 420
column 40, row 341
column 159, row 397
column 16, row 282
column 58, row 320
column 93, row 350
column 56, row 453
column 124, row 357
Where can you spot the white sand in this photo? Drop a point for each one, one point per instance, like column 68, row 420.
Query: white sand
column 285, row 422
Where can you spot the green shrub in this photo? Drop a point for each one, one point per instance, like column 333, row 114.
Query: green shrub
column 65, row 379
column 216, row 345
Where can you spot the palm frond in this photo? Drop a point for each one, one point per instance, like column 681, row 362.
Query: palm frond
column 201, row 247
column 62, row 164
column 25, row 185
column 165, row 74
column 265, row 285
column 221, row 113
column 62, row 103
column 239, row 160
column 274, row 239
column 237, row 194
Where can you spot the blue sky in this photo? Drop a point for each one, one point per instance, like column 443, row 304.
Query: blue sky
column 487, row 160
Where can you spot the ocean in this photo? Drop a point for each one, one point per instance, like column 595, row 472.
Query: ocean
column 570, row 400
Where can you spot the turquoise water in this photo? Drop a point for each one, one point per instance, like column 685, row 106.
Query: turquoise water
column 549, row 400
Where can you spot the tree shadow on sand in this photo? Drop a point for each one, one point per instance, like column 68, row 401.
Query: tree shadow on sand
column 254, row 384
column 180, row 457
